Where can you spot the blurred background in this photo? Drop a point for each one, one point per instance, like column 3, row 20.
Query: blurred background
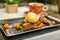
column 53, row 5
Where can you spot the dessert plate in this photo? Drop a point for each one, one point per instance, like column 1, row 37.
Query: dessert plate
column 14, row 32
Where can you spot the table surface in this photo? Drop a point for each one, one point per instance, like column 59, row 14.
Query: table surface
column 4, row 15
column 46, row 34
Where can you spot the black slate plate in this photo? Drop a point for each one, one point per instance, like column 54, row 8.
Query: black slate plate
column 22, row 32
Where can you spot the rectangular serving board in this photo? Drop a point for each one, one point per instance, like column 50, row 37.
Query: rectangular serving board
column 22, row 32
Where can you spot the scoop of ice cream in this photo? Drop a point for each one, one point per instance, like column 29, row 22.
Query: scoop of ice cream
column 32, row 17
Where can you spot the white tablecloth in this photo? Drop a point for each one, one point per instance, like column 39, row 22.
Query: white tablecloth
column 49, row 36
column 4, row 15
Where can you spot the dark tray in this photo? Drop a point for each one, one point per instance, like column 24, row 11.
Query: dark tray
column 21, row 32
